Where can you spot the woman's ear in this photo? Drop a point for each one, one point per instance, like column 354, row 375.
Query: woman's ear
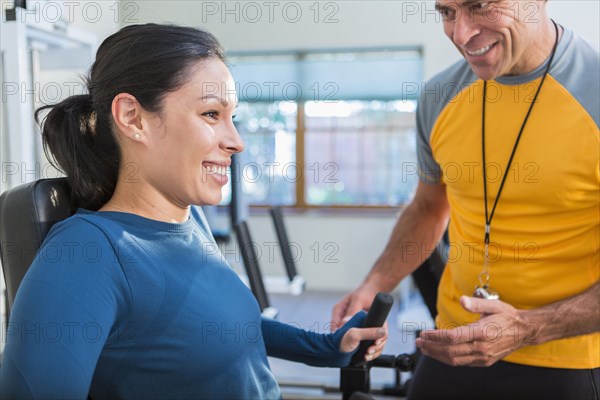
column 127, row 116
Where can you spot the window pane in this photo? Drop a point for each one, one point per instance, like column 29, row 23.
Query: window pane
column 268, row 164
column 369, row 147
column 359, row 137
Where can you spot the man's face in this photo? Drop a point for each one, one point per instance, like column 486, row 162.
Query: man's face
column 497, row 37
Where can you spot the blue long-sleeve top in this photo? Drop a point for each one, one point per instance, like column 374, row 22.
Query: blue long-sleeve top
column 118, row 306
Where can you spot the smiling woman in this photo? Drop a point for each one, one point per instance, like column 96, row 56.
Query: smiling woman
column 155, row 313
column 197, row 115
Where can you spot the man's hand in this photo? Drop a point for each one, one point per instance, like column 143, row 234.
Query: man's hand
column 501, row 330
column 352, row 303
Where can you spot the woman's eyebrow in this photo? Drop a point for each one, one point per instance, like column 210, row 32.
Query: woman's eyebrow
column 224, row 102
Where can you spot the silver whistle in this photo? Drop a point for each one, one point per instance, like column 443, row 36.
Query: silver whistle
column 486, row 292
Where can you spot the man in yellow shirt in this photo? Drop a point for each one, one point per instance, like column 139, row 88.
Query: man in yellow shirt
column 508, row 147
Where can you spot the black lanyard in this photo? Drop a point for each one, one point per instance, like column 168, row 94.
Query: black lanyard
column 488, row 220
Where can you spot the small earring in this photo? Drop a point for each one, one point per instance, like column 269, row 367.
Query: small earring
column 137, row 136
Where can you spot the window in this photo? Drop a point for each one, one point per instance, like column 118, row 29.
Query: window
column 268, row 168
column 356, row 152
column 328, row 129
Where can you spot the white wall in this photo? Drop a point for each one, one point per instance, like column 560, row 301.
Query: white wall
column 323, row 24
column 270, row 25
column 583, row 16
column 332, row 252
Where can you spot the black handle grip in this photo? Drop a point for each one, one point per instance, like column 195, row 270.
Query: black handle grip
column 380, row 308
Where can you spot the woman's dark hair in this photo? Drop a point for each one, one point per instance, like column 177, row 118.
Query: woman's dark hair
column 147, row 61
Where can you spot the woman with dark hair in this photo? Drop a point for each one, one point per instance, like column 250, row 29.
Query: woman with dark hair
column 123, row 300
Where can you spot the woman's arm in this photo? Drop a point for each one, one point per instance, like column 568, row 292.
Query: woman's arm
column 320, row 349
column 62, row 316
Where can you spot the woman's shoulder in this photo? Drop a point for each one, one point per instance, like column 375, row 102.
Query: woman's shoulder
column 77, row 257
column 76, row 226
column 83, row 226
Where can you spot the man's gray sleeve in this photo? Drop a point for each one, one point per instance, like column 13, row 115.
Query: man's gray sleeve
column 434, row 97
column 429, row 169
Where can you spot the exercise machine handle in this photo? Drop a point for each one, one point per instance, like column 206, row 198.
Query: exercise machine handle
column 380, row 308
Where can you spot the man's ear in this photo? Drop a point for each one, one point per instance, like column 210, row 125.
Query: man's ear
column 127, row 116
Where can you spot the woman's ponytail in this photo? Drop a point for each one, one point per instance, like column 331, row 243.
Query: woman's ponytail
column 83, row 148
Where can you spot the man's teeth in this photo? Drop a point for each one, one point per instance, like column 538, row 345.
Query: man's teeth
column 216, row 169
column 480, row 52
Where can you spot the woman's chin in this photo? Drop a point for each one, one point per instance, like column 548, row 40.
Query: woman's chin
column 209, row 199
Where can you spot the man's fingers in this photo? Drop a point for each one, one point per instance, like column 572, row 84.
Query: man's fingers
column 338, row 314
column 461, row 334
column 455, row 355
column 352, row 303
column 340, row 311
column 345, row 310
column 443, row 349
column 482, row 306
column 355, row 306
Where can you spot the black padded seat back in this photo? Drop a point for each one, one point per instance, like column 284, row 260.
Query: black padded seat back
column 27, row 212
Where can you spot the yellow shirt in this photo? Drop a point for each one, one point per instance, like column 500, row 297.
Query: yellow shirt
column 545, row 233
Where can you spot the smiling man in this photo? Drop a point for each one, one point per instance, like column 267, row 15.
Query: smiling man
column 508, row 145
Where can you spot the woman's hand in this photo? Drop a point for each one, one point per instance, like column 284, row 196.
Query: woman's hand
column 354, row 336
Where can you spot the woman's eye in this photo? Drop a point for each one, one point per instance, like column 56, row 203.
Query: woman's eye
column 211, row 114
